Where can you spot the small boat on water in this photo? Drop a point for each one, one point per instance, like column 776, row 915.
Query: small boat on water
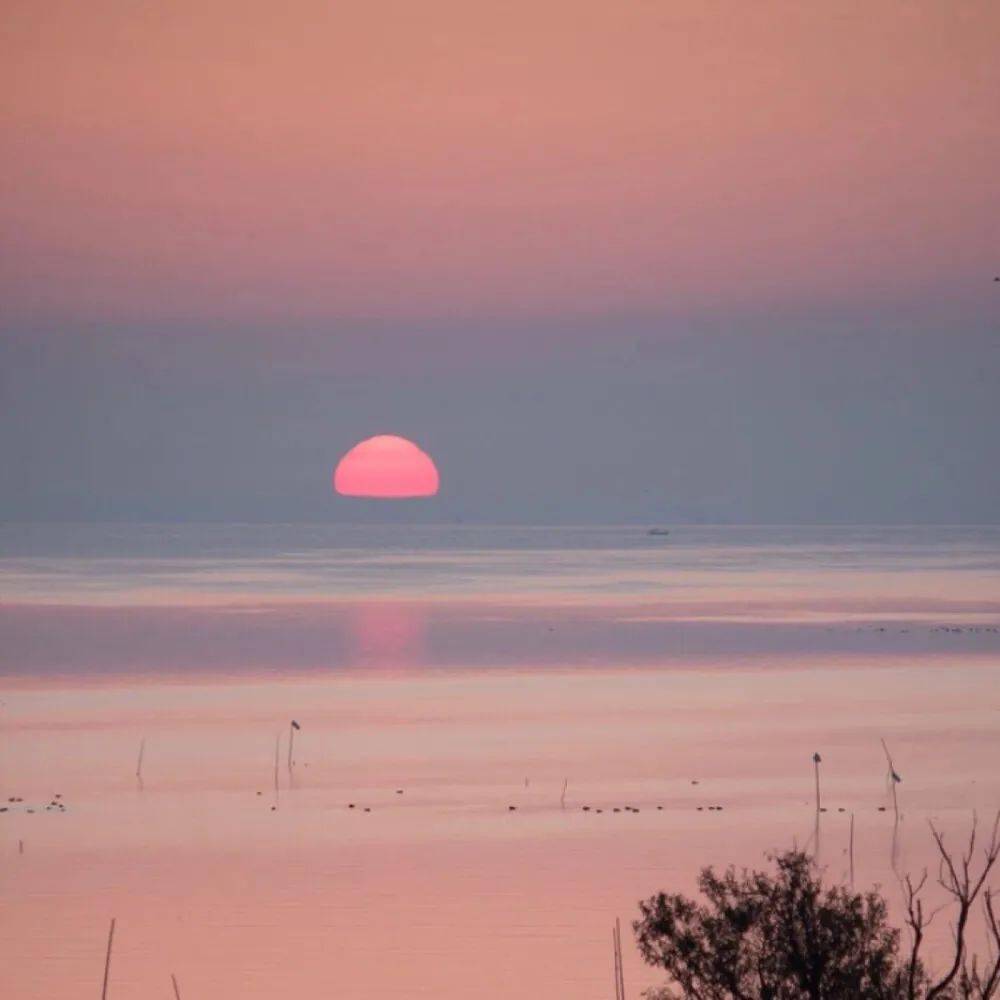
column 658, row 531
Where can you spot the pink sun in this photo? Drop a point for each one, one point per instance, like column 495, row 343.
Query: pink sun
column 386, row 466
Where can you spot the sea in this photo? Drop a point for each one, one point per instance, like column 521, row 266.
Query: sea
column 235, row 598
column 504, row 737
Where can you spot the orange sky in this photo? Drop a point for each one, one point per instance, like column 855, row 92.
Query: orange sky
column 192, row 161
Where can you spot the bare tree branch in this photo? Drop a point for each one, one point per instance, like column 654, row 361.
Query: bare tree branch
column 964, row 886
column 991, row 984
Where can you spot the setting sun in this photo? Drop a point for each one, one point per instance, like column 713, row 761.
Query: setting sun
column 386, row 466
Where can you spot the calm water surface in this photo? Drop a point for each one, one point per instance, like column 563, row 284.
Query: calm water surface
column 440, row 677
column 239, row 599
column 163, row 563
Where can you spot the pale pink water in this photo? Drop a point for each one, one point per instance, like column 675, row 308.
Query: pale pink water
column 473, row 669
column 442, row 891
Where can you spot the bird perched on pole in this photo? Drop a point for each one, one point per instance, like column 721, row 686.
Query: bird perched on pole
column 892, row 778
column 291, row 740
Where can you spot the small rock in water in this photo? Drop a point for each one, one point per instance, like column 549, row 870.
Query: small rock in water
column 511, row 808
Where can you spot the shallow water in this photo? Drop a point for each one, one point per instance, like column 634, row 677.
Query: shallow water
column 472, row 675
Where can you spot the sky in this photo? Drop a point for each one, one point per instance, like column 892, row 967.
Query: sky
column 630, row 261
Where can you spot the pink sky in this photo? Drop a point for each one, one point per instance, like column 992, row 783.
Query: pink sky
column 605, row 261
column 313, row 161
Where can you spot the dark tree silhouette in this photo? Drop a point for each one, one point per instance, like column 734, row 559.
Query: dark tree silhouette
column 773, row 937
column 783, row 936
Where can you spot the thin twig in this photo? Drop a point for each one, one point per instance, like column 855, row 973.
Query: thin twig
column 177, row 992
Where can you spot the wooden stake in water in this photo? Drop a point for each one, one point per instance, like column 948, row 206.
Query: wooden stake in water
column 851, row 850
column 817, row 760
column 892, row 778
column 618, row 949
column 138, row 764
column 291, row 741
column 107, row 960
column 177, row 992
column 614, row 949
column 562, row 798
